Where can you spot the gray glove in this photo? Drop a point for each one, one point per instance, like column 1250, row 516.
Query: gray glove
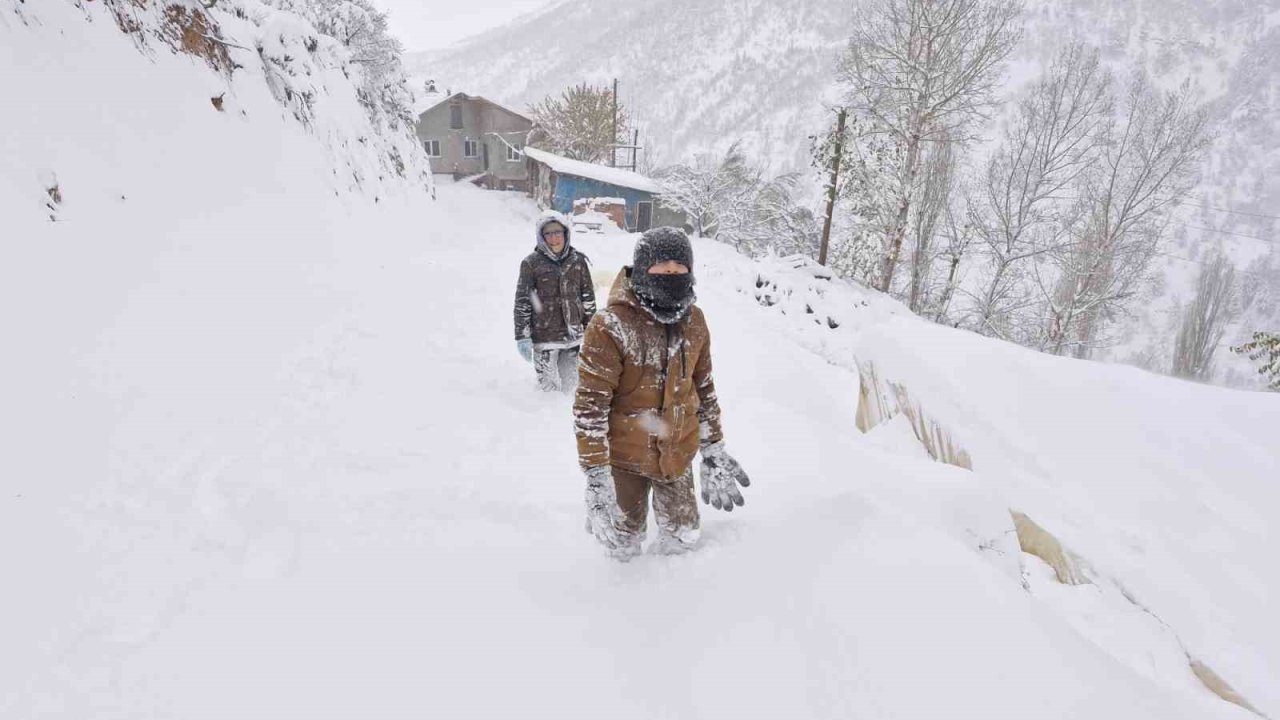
column 721, row 476
column 524, row 346
column 604, row 517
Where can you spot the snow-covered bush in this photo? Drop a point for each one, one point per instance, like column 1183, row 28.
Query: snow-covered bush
column 362, row 29
column 730, row 199
column 1264, row 349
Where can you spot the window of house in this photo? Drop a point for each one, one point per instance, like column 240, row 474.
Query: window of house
column 470, row 148
column 432, row 147
column 513, row 154
column 455, row 116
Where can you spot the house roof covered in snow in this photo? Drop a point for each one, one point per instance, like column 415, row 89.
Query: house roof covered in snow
column 431, row 101
column 591, row 171
column 423, row 102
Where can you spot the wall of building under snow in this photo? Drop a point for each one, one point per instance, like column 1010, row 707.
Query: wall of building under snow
column 565, row 189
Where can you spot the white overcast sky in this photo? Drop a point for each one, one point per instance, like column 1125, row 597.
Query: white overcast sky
column 434, row 24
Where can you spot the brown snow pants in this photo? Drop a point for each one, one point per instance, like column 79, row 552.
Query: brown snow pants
column 674, row 506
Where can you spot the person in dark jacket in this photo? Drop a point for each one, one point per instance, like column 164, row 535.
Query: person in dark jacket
column 646, row 405
column 555, row 300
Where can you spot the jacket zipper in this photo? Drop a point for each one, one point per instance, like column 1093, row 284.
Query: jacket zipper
column 684, row 359
column 666, row 363
column 564, row 296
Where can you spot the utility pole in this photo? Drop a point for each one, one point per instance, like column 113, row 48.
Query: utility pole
column 831, row 188
column 613, row 141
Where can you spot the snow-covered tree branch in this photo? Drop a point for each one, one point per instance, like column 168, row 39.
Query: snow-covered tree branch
column 1149, row 153
column 362, row 28
column 1024, row 208
column 922, row 71
column 580, row 123
column 729, row 198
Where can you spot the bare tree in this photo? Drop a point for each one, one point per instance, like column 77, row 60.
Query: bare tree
column 1149, row 153
column 959, row 236
column 580, row 123
column 1023, row 212
column 935, row 199
column 1205, row 320
column 924, row 70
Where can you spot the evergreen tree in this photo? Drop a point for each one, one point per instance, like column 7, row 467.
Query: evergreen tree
column 1264, row 348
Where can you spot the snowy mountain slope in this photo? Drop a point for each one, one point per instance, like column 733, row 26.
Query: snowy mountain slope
column 702, row 74
column 696, row 75
column 272, row 454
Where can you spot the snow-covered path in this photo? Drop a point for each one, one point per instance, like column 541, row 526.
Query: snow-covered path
column 267, row 449
column 355, row 504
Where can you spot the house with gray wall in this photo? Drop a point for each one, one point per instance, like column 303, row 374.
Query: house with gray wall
column 467, row 136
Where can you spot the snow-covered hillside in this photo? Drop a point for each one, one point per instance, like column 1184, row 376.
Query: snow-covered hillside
column 696, row 75
column 271, row 453
column 700, row 74
column 352, row 500
column 180, row 105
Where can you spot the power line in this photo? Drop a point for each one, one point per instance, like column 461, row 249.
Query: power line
column 1179, row 257
column 1208, row 229
column 1227, row 232
column 1233, row 212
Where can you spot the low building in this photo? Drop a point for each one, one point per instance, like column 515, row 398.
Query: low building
column 467, row 136
column 557, row 182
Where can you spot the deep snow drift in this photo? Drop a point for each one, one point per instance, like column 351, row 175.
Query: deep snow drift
column 352, row 500
column 271, row 453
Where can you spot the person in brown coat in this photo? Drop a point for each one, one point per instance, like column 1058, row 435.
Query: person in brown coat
column 555, row 298
column 646, row 404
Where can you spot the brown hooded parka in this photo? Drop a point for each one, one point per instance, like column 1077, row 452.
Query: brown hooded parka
column 646, row 398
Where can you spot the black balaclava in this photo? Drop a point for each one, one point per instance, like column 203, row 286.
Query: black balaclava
column 666, row 297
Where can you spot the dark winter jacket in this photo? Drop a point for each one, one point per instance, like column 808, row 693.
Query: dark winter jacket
column 646, row 398
column 555, row 298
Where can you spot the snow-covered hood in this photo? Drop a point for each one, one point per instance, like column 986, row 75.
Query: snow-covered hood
column 624, row 293
column 621, row 293
column 547, row 219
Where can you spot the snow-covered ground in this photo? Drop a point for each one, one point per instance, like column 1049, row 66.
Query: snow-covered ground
column 270, row 452
column 260, row 493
